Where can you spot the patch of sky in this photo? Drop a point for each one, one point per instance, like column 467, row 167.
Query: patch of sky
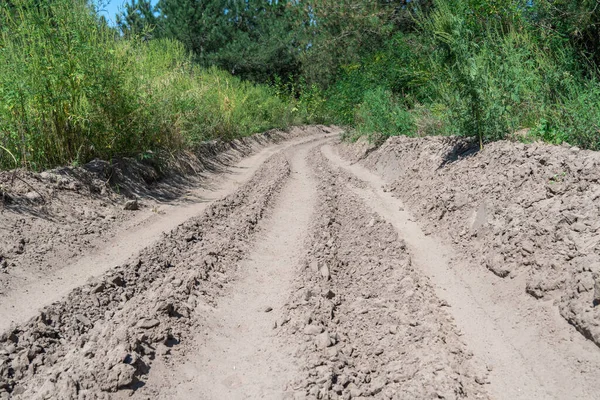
column 110, row 8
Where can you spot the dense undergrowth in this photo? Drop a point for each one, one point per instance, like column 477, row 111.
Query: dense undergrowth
column 72, row 89
column 475, row 68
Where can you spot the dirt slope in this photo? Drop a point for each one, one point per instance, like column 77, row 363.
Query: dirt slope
column 301, row 279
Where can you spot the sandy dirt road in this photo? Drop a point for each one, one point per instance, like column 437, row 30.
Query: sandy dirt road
column 525, row 360
column 22, row 301
column 302, row 279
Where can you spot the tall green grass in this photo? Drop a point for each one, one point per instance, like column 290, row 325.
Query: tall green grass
column 380, row 116
column 71, row 89
column 493, row 77
column 471, row 69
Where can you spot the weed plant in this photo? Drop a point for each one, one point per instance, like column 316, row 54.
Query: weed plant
column 72, row 89
column 471, row 68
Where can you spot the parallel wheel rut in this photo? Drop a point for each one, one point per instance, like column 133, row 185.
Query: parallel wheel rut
column 309, row 281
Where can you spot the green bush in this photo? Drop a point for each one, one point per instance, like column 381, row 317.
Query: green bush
column 379, row 116
column 472, row 68
column 495, row 79
column 71, row 89
column 575, row 119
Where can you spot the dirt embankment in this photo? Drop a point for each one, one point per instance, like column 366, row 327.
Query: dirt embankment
column 526, row 212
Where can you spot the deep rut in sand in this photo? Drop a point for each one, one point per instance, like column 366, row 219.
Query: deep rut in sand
column 240, row 357
column 22, row 302
column 523, row 363
column 307, row 282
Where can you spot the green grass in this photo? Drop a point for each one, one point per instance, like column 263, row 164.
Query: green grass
column 379, row 116
column 471, row 68
column 71, row 90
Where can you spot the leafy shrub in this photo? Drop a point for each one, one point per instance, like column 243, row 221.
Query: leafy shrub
column 472, row 68
column 380, row 117
column 576, row 119
column 71, row 89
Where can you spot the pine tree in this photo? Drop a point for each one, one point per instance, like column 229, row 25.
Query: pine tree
column 138, row 18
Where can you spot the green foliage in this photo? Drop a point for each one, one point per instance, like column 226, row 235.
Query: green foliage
column 483, row 68
column 311, row 104
column 475, row 68
column 485, row 76
column 546, row 132
column 138, row 19
column 379, row 117
column 202, row 26
column 340, row 33
column 396, row 67
column 72, row 90
column 497, row 75
column 576, row 118
column 575, row 23
column 253, row 39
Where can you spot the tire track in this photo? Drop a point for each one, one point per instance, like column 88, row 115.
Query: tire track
column 240, row 357
column 365, row 323
column 25, row 300
column 104, row 336
column 522, row 366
